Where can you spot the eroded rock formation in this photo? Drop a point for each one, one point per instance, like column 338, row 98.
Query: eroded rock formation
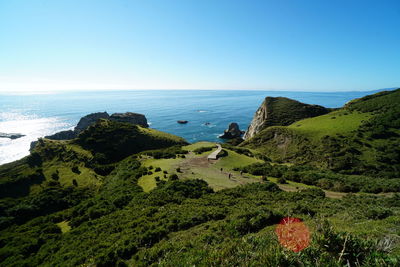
column 233, row 131
column 281, row 111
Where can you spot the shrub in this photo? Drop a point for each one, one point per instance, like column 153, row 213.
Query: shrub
column 76, row 170
column 281, row 180
column 55, row 176
column 173, row 177
column 203, row 149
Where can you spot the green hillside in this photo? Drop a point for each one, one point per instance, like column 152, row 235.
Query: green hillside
column 59, row 174
column 122, row 195
column 284, row 111
column 361, row 138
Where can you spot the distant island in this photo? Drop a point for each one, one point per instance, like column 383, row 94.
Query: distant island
column 11, row 135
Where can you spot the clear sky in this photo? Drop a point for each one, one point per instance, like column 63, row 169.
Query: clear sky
column 204, row 44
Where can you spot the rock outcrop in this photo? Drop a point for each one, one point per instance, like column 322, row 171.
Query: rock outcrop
column 63, row 135
column 281, row 111
column 130, row 117
column 233, row 131
column 90, row 119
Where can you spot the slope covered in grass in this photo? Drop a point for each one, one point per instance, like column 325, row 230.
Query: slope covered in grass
column 196, row 166
column 337, row 122
column 111, row 141
column 185, row 223
column 360, row 138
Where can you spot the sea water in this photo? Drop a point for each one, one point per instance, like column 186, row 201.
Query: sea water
column 208, row 112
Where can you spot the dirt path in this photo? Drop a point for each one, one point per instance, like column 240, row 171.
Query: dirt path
column 292, row 188
column 214, row 155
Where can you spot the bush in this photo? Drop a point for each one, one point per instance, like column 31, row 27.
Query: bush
column 173, row 177
column 281, row 180
column 55, row 176
column 76, row 170
column 171, row 152
column 203, row 149
column 158, row 169
column 376, row 213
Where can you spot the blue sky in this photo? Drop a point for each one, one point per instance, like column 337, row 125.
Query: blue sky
column 204, row 44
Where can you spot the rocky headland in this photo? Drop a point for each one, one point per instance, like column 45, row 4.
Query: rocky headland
column 90, row 119
column 281, row 111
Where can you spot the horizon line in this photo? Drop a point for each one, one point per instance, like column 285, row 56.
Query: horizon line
column 26, row 92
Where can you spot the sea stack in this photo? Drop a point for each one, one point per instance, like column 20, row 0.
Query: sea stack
column 233, row 131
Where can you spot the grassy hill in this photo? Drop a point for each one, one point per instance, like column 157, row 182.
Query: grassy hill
column 281, row 111
column 360, row 138
column 59, row 174
column 122, row 195
column 112, row 141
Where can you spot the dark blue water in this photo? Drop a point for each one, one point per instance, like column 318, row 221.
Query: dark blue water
column 42, row 114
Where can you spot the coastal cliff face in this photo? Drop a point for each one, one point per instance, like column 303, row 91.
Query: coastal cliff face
column 88, row 120
column 281, row 111
column 130, row 117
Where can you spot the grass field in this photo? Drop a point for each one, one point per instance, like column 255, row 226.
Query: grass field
column 215, row 173
column 160, row 135
column 197, row 166
column 337, row 122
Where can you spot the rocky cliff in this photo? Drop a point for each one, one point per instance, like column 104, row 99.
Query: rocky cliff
column 90, row 119
column 281, row 111
column 130, row 117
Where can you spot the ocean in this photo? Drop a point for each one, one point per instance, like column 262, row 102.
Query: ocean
column 37, row 115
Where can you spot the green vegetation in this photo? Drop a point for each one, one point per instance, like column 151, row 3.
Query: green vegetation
column 112, row 141
column 324, row 179
column 203, row 149
column 362, row 139
column 122, row 195
column 184, row 222
column 344, row 123
column 167, row 153
column 284, row 111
